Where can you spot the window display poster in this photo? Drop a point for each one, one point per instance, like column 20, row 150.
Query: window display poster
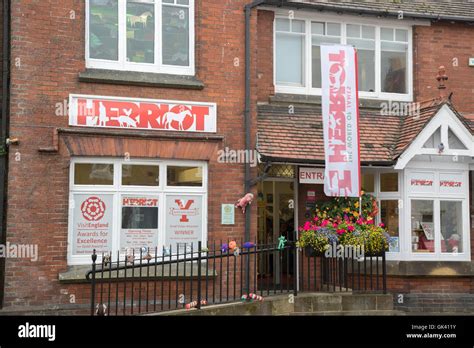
column 183, row 221
column 139, row 222
column 428, row 229
column 92, row 223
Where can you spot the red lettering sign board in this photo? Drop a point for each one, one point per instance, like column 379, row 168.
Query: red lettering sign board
column 148, row 114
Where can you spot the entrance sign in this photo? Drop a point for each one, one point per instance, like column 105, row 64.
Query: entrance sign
column 92, row 223
column 340, row 120
column 311, row 176
column 130, row 113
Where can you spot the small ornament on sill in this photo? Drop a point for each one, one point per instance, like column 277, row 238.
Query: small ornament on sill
column 281, row 242
column 106, row 259
column 194, row 304
column 130, row 257
column 236, row 251
column 148, row 256
column 166, row 251
column 248, row 245
column 101, row 310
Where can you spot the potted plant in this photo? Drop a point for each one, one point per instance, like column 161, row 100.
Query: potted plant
column 314, row 239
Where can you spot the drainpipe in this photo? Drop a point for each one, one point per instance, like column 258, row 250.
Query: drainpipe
column 247, row 120
column 3, row 137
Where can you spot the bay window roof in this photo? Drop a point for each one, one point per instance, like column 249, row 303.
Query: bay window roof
column 297, row 137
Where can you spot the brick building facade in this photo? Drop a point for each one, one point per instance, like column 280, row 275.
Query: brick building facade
column 53, row 67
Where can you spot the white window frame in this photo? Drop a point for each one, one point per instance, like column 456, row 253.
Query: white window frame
column 436, row 196
column 118, row 190
column 377, row 23
column 388, row 196
column 158, row 66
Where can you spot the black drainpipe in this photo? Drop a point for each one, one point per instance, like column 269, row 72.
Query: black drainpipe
column 3, row 137
column 247, row 119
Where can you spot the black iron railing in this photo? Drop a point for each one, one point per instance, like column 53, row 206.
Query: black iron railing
column 148, row 281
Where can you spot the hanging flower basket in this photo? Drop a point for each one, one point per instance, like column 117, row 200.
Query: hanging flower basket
column 309, row 251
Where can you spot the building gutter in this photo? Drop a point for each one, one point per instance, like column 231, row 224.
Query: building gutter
column 381, row 13
column 3, row 137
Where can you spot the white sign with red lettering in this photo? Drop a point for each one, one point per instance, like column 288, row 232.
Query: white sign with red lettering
column 451, row 183
column 132, row 113
column 340, row 120
column 311, row 176
column 421, row 182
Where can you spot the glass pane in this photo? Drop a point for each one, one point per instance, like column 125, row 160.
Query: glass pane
column 103, row 29
column 289, row 59
column 183, row 2
column 454, row 142
column 368, row 32
column 140, row 32
column 93, row 174
column 389, row 182
column 184, row 176
column 333, row 29
column 316, row 57
column 422, row 226
column 386, row 34
column 353, row 30
column 394, row 71
column 317, row 28
column 366, row 62
column 451, row 227
column 434, row 140
column 139, row 217
column 389, row 217
column 282, row 24
column 297, row 26
column 140, row 175
column 401, row 35
column 368, row 182
column 175, row 36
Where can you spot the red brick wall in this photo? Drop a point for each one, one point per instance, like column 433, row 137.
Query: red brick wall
column 439, row 44
column 1, row 52
column 50, row 46
column 265, row 55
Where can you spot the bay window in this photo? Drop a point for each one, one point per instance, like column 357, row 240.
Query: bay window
column 384, row 55
column 140, row 35
column 120, row 205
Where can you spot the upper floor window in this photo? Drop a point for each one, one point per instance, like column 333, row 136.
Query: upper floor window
column 384, row 56
column 141, row 35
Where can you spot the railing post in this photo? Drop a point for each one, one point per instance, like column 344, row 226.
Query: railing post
column 94, row 259
column 384, row 275
column 199, row 276
column 295, row 266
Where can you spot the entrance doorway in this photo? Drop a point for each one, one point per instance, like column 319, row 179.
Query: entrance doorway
column 276, row 218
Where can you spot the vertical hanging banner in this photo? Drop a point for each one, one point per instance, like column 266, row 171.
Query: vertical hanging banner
column 340, row 104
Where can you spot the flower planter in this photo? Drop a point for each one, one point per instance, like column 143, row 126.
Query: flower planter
column 311, row 252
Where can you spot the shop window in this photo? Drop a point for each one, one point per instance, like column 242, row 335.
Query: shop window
column 389, row 182
column 141, row 35
column 140, row 175
column 94, row 174
column 384, row 59
column 136, row 209
column 451, row 227
column 390, row 218
column 184, row 176
column 422, row 226
column 368, row 182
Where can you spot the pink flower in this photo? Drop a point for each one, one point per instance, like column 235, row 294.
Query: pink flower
column 324, row 223
column 341, row 231
column 350, row 228
column 307, row 226
column 360, row 221
column 316, row 218
column 381, row 225
column 370, row 221
column 334, row 225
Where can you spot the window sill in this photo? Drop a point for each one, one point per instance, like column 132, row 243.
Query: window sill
column 77, row 274
column 117, row 77
column 437, row 269
column 316, row 100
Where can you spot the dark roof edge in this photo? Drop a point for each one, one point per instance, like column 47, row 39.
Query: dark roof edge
column 297, row 161
column 336, row 8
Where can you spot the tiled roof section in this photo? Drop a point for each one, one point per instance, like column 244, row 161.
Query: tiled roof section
column 298, row 136
column 446, row 9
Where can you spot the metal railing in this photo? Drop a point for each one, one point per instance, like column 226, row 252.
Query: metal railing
column 149, row 281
